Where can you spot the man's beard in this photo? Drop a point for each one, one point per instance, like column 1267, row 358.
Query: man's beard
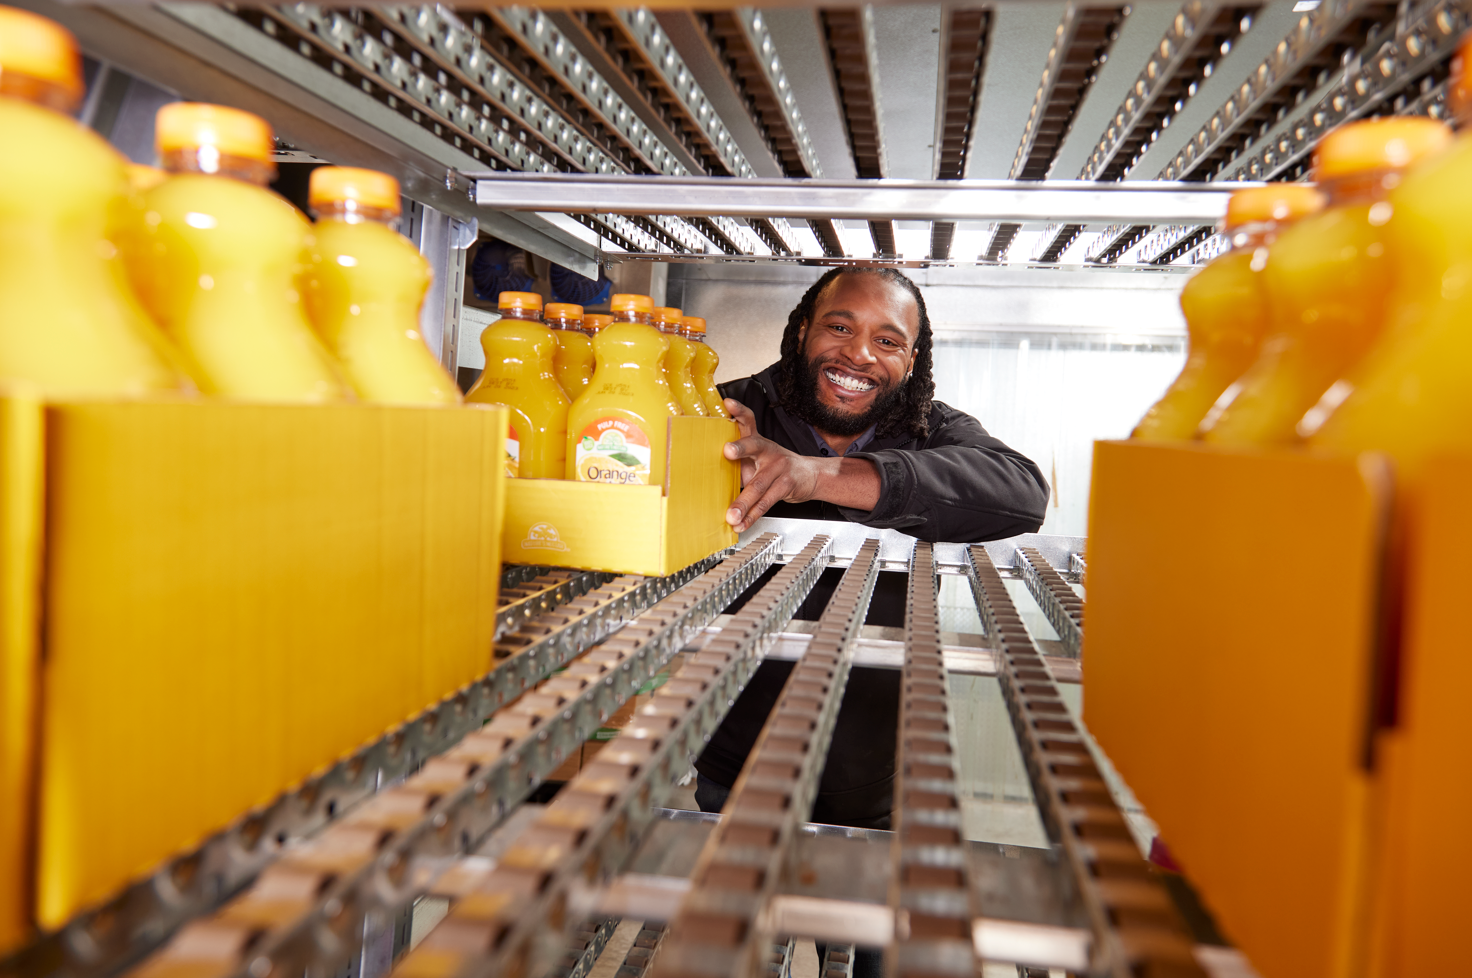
column 845, row 424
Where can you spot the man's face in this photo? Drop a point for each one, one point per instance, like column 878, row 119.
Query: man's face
column 859, row 348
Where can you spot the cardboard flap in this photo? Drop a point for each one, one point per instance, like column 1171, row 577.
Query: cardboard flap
column 1227, row 669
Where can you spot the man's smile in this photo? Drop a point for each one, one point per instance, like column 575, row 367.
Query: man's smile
column 847, row 382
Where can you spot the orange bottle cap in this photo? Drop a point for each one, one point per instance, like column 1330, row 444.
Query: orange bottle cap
column 41, row 49
column 594, row 321
column 667, row 315
column 1460, row 95
column 1392, row 143
column 627, row 302
column 694, row 324
column 366, row 188
column 1275, row 202
column 192, row 125
column 564, row 310
column 519, row 300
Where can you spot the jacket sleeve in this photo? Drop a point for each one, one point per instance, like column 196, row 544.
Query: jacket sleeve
column 964, row 486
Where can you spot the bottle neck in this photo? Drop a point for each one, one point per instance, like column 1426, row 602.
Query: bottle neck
column 631, row 316
column 209, row 160
column 571, row 325
column 352, row 212
column 1253, row 236
column 37, row 91
column 1360, row 188
column 521, row 313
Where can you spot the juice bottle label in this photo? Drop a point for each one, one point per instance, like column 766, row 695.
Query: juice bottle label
column 513, row 453
column 615, row 451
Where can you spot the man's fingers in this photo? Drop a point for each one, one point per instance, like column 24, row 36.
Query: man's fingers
column 749, row 447
column 741, row 414
column 757, row 498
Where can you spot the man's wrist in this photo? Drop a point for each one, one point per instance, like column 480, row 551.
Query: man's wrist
column 852, row 483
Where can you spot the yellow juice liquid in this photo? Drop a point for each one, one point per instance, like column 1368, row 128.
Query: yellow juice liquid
column 69, row 323
column 519, row 375
column 678, row 362
column 1327, row 278
column 218, row 264
column 1226, row 317
column 703, row 372
column 365, row 284
column 573, row 361
column 1411, row 395
column 618, row 429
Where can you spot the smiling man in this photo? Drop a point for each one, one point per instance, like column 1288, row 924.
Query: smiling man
column 844, row 426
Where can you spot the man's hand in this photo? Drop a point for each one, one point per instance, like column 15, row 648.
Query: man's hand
column 769, row 472
column 772, row 474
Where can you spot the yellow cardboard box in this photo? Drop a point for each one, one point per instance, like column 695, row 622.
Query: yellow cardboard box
column 654, row 530
column 1228, row 659
column 234, row 595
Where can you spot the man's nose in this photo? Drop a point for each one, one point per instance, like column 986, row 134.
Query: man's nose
column 858, row 351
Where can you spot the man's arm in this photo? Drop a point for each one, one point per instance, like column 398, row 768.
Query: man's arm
column 964, row 486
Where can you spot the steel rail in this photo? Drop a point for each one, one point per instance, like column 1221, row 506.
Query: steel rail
column 1060, row 603
column 513, row 920
column 306, row 912
column 930, row 888
column 108, row 938
column 722, row 929
column 1309, row 47
column 1418, row 50
column 1136, row 926
column 1020, row 201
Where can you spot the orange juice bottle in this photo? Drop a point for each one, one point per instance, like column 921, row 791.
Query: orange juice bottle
column 679, row 361
column 518, row 374
column 69, row 323
column 1411, row 397
column 703, row 366
column 573, row 361
column 594, row 321
column 618, row 427
column 1226, row 309
column 219, row 257
column 364, row 286
column 1327, row 279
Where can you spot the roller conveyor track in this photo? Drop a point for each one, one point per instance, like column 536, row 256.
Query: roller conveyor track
column 1136, row 927
column 305, row 910
column 588, row 832
column 105, row 939
column 930, row 888
column 717, row 931
column 1062, row 605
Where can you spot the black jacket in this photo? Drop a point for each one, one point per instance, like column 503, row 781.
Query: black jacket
column 958, row 484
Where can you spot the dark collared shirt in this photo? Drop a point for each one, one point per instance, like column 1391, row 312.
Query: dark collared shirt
column 857, row 446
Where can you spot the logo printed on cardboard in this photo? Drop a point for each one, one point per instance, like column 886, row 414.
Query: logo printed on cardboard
column 542, row 536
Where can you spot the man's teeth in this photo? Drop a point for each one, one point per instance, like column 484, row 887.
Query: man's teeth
column 849, row 383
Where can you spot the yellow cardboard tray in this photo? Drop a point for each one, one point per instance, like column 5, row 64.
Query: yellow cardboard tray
column 1423, row 759
column 1227, row 665
column 234, row 596
column 654, row 530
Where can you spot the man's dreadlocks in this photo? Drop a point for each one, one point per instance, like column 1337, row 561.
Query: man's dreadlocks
column 912, row 414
